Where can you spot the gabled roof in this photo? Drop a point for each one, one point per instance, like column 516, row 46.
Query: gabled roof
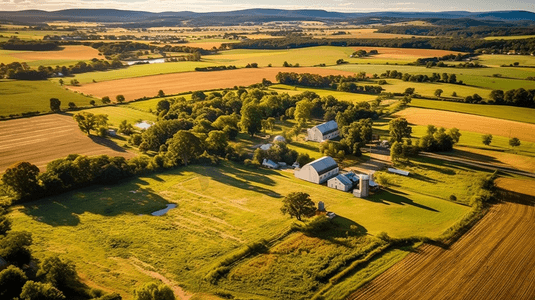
column 323, row 165
column 270, row 163
column 327, row 127
column 344, row 180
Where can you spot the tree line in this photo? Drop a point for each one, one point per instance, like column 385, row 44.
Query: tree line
column 457, row 31
column 22, row 71
column 16, row 44
column 435, row 77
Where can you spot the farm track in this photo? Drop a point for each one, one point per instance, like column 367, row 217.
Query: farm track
column 41, row 139
column 134, row 88
column 494, row 260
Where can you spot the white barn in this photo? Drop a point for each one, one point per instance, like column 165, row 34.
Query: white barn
column 323, row 132
column 340, row 182
column 319, row 170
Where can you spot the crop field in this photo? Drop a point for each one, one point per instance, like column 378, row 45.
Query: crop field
column 405, row 53
column 42, row 139
column 67, row 55
column 18, row 96
column 513, row 113
column 183, row 82
column 208, row 225
column 479, row 124
column 498, row 60
column 494, row 260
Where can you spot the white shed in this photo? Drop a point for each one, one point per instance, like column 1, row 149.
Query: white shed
column 268, row 163
column 323, row 132
column 340, row 182
column 319, row 170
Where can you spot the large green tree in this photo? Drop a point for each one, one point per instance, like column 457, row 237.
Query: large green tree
column 251, row 118
column 486, row 139
column 21, row 178
column 86, row 121
column 302, row 110
column 184, row 146
column 12, row 280
column 298, row 205
column 356, row 135
column 399, row 129
column 55, row 104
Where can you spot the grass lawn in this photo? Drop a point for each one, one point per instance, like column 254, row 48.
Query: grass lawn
column 351, row 97
column 110, row 236
column 428, row 89
column 18, row 96
column 513, row 113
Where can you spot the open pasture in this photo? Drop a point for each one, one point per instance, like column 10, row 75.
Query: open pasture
column 360, row 33
column 19, row 96
column 428, row 89
column 135, row 88
column 41, row 139
column 494, row 260
column 473, row 123
column 220, row 209
column 404, row 53
column 502, row 59
column 513, row 113
column 351, row 97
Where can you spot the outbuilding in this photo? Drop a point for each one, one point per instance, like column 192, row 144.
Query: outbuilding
column 319, row 170
column 323, row 132
column 340, row 182
column 268, row 163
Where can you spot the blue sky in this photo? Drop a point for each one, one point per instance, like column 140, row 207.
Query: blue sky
column 225, row 5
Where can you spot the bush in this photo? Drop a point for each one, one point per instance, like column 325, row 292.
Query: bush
column 103, row 131
column 453, row 198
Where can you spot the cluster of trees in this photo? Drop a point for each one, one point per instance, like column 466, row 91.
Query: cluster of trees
column 516, row 97
column 279, row 152
column 439, row 139
column 22, row 71
column 435, row 77
column 16, row 44
column 215, row 68
column 478, row 31
column 351, row 87
column 124, row 50
column 86, row 121
column 27, row 278
column 524, row 46
column 363, row 53
column 315, row 80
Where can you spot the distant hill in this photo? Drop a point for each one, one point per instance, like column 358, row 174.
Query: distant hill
column 240, row 16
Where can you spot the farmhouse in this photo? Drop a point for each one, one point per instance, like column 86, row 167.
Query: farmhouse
column 322, row 132
column 343, row 182
column 318, row 171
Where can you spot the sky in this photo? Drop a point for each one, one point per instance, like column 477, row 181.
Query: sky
column 226, row 5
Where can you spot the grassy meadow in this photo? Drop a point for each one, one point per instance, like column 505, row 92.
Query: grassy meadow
column 18, row 96
column 107, row 231
column 116, row 114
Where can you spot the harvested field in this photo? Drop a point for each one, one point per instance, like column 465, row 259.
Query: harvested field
column 81, row 53
column 183, row 82
column 494, row 260
column 42, row 139
column 404, row 53
column 479, row 124
column 361, row 33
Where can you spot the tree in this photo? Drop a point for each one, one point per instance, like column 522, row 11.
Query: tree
column 126, row 128
column 152, row 291
column 120, row 98
column 487, row 139
column 184, row 146
column 106, row 100
column 163, row 105
column 14, row 247
column 251, row 118
column 22, row 178
column 40, row 291
column 438, row 92
column 514, row 142
column 399, row 129
column 455, row 134
column 409, row 91
column 356, row 135
column 92, row 103
column 86, row 121
column 72, row 105
column 62, row 275
column 75, row 82
column 217, row 141
column 396, row 151
column 161, row 94
column 298, row 205
column 271, row 123
column 302, row 110
column 12, row 280
column 61, row 82
column 55, row 104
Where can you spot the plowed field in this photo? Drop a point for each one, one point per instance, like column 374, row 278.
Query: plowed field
column 494, row 260
column 42, row 139
column 149, row 86
column 473, row 123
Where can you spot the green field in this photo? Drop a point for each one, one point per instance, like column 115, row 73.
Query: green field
column 343, row 96
column 428, row 89
column 498, row 60
column 513, row 113
column 118, row 113
column 21, row 96
column 141, row 70
column 106, row 231
column 510, row 37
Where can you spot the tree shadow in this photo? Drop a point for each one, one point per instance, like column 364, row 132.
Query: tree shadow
column 126, row 198
column 474, row 156
column 340, row 228
column 422, row 178
column 242, row 178
column 387, row 196
column 107, row 143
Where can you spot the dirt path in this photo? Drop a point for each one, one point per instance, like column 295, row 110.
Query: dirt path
column 494, row 260
column 41, row 139
column 134, row 88
column 144, row 268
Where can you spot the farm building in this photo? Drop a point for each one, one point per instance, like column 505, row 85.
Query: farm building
column 265, row 147
column 279, row 138
column 319, row 170
column 268, row 163
column 343, row 182
column 364, row 187
column 323, row 132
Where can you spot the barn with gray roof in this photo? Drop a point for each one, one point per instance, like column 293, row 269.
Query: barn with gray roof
column 322, row 132
column 319, row 170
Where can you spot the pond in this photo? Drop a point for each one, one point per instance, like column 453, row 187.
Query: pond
column 146, row 61
column 162, row 212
